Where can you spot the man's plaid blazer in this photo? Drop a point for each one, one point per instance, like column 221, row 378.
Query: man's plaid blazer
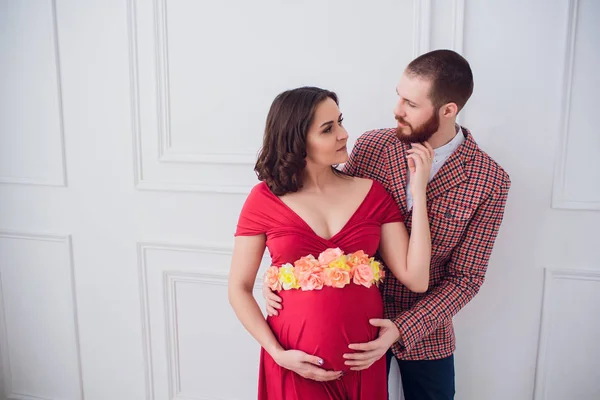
column 465, row 204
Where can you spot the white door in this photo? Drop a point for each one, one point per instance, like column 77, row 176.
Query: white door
column 128, row 132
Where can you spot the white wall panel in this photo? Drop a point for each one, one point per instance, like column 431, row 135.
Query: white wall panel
column 577, row 179
column 200, row 104
column 568, row 362
column 31, row 114
column 193, row 338
column 38, row 318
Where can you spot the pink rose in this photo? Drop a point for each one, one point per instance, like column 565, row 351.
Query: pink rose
column 358, row 258
column 362, row 275
column 311, row 282
column 335, row 277
column 306, row 266
column 272, row 278
column 330, row 255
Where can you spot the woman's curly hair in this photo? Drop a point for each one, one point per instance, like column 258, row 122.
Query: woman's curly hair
column 281, row 160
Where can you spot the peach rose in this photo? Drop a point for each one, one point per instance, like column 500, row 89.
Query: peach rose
column 362, row 275
column 329, row 255
column 272, row 278
column 335, row 277
column 311, row 282
column 306, row 266
column 358, row 258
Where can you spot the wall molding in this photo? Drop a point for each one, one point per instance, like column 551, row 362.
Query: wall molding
column 560, row 199
column 209, row 158
column 551, row 275
column 166, row 154
column 458, row 26
column 422, row 17
column 191, row 187
column 165, row 139
column 421, row 27
column 60, row 181
column 169, row 280
column 145, row 318
column 66, row 241
column 18, row 396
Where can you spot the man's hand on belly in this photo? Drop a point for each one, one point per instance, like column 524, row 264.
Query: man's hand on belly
column 367, row 353
column 273, row 301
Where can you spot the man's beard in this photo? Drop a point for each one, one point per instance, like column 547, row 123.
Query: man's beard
column 422, row 133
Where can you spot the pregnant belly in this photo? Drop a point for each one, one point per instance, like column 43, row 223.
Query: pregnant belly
column 324, row 322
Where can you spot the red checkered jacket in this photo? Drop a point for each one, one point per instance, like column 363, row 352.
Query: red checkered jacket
column 465, row 204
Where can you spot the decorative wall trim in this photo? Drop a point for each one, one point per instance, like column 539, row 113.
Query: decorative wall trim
column 458, row 26
column 559, row 196
column 550, row 277
column 165, row 152
column 170, row 279
column 66, row 241
column 421, row 27
column 61, row 180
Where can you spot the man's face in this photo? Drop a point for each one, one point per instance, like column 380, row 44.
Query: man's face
column 417, row 119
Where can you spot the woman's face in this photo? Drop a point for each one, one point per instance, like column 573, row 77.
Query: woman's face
column 326, row 139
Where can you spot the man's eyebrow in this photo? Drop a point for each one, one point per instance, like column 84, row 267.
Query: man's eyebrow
column 410, row 101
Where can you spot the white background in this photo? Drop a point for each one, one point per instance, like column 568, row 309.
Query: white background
column 128, row 131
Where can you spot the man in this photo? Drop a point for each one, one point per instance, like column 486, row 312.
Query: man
column 466, row 196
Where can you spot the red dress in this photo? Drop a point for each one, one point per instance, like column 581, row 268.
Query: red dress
column 321, row 322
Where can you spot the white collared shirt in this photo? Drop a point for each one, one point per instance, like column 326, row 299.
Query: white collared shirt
column 441, row 156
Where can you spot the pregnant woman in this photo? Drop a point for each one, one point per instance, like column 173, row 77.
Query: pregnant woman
column 324, row 231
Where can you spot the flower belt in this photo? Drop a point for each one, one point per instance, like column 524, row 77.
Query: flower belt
column 332, row 268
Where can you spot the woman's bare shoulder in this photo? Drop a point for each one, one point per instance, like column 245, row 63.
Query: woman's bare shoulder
column 362, row 182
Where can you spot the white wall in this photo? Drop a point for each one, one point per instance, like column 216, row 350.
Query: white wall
column 128, row 131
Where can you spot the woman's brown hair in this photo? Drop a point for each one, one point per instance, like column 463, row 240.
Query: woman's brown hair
column 281, row 160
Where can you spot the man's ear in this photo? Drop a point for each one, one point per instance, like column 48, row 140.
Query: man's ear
column 449, row 110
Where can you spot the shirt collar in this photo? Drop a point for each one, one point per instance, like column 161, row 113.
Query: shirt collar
column 445, row 151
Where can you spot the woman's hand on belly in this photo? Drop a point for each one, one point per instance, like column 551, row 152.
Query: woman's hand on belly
column 305, row 365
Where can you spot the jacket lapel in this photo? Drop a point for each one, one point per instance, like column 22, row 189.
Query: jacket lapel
column 397, row 174
column 452, row 172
